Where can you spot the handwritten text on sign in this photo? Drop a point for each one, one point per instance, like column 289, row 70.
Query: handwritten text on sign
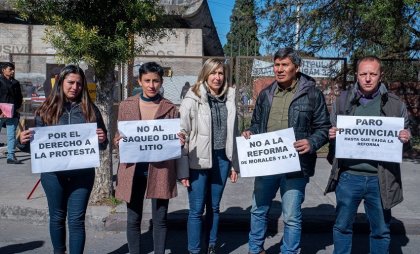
column 268, row 154
column 149, row 141
column 371, row 138
column 64, row 147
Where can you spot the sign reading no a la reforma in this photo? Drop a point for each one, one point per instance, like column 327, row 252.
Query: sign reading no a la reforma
column 370, row 138
column 270, row 153
column 149, row 140
column 64, row 147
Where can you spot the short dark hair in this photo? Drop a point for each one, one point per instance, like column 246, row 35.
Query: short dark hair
column 290, row 53
column 8, row 64
column 151, row 67
column 369, row 58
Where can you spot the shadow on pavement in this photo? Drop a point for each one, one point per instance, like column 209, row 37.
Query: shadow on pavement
column 21, row 247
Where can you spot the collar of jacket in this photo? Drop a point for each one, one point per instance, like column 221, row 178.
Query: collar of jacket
column 230, row 95
column 304, row 82
column 165, row 105
column 352, row 100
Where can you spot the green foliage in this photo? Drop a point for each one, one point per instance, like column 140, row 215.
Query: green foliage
column 242, row 38
column 111, row 201
column 98, row 32
column 387, row 28
column 102, row 34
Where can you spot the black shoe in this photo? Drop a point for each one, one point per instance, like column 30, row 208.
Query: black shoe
column 211, row 250
column 13, row 161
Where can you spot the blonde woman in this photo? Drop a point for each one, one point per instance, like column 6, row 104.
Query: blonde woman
column 208, row 121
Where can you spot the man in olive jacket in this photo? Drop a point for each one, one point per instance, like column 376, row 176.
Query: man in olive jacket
column 378, row 183
column 11, row 93
column 292, row 100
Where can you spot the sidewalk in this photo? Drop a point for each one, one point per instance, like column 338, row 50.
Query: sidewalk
column 16, row 182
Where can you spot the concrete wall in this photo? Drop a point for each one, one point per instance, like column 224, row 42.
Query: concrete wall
column 17, row 38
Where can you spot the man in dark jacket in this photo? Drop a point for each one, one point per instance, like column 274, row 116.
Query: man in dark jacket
column 292, row 100
column 378, row 183
column 10, row 92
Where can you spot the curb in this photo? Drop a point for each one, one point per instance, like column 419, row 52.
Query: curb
column 105, row 218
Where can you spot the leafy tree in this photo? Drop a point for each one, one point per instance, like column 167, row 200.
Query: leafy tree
column 387, row 28
column 242, row 41
column 242, row 38
column 100, row 33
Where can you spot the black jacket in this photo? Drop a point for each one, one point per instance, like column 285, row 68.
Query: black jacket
column 10, row 92
column 308, row 115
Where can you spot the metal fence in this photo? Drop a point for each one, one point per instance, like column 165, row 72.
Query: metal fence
column 248, row 74
column 253, row 74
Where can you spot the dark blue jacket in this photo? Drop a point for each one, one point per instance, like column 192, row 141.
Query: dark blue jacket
column 308, row 115
column 72, row 114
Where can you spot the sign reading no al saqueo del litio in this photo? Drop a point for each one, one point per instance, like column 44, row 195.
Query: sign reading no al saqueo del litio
column 64, row 147
column 270, row 153
column 370, row 138
column 149, row 140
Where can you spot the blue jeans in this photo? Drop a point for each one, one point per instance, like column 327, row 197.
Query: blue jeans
column 292, row 192
column 206, row 189
column 351, row 189
column 11, row 125
column 68, row 195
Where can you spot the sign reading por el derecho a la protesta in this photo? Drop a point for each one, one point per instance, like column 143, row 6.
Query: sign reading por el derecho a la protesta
column 270, row 153
column 371, row 138
column 64, row 147
column 149, row 140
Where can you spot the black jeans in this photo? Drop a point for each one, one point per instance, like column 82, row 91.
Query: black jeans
column 134, row 215
column 68, row 195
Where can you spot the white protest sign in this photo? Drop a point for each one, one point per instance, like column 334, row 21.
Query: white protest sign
column 270, row 153
column 149, row 140
column 64, row 147
column 370, row 138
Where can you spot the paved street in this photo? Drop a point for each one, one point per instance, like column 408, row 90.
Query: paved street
column 17, row 237
column 24, row 227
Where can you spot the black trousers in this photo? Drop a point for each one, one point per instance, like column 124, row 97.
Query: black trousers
column 134, row 216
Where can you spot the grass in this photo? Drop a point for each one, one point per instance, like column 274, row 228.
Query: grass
column 111, row 201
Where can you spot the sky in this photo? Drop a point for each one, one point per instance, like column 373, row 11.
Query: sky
column 221, row 11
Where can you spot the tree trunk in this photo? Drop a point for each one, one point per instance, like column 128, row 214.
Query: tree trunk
column 103, row 187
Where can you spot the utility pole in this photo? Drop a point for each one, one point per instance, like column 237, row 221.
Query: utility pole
column 297, row 26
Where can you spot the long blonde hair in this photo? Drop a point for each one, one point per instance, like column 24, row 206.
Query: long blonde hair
column 210, row 66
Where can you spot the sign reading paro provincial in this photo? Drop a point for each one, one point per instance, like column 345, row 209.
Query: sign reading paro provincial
column 149, row 140
column 270, row 153
column 64, row 147
column 371, row 138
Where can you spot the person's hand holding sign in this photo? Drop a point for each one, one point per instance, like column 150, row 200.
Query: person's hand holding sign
column 101, row 135
column 25, row 136
column 182, row 137
column 117, row 140
column 404, row 136
column 332, row 133
column 302, row 146
column 247, row 134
